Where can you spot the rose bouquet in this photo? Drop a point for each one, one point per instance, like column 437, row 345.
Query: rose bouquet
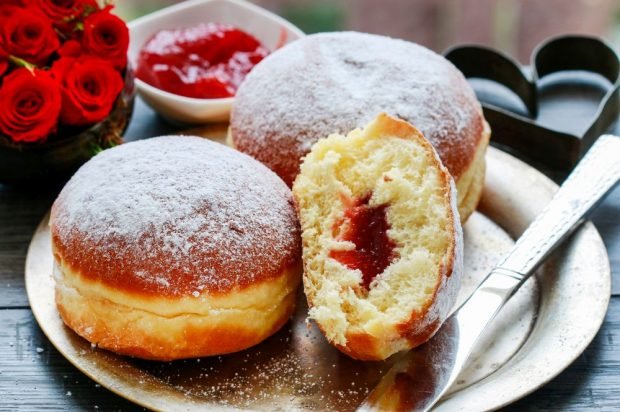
column 63, row 71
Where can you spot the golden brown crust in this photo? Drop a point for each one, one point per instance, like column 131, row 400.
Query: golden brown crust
column 80, row 255
column 469, row 186
column 362, row 346
column 386, row 125
column 169, row 329
column 198, row 340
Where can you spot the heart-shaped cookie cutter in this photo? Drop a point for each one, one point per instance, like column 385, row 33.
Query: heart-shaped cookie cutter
column 554, row 149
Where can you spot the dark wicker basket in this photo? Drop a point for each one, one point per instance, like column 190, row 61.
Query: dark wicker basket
column 62, row 154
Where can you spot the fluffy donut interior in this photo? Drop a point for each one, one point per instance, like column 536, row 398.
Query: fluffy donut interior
column 400, row 173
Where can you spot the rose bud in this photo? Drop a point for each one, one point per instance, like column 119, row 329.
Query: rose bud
column 89, row 87
column 29, row 35
column 29, row 105
column 106, row 36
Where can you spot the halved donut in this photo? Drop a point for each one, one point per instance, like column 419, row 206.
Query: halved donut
column 382, row 241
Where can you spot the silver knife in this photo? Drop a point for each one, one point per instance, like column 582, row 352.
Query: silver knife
column 418, row 380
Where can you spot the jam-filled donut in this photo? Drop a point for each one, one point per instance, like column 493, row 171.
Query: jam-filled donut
column 382, row 242
column 175, row 247
column 335, row 82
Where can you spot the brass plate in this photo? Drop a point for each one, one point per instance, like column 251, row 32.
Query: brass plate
column 547, row 325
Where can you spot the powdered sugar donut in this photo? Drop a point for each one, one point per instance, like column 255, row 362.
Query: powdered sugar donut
column 335, row 82
column 175, row 247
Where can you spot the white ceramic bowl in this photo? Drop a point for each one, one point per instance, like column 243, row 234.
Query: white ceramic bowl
column 267, row 27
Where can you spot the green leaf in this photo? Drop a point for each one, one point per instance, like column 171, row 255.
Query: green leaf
column 22, row 63
column 88, row 10
column 95, row 149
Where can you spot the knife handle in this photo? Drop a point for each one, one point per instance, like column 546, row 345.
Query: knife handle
column 593, row 178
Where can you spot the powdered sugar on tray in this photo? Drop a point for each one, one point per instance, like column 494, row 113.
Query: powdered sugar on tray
column 176, row 215
column 334, row 82
column 295, row 369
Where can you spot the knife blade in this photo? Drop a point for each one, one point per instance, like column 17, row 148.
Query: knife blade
column 419, row 378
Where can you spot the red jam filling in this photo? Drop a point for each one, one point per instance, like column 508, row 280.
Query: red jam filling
column 206, row 61
column 366, row 227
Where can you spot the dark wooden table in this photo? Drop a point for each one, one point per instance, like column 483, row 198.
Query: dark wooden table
column 35, row 377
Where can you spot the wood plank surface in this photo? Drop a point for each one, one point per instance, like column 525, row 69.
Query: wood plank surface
column 21, row 211
column 34, row 376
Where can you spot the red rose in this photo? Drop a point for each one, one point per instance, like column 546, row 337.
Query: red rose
column 6, row 10
column 29, row 105
column 70, row 48
column 29, row 35
column 65, row 13
column 106, row 36
column 89, row 88
column 12, row 3
column 61, row 11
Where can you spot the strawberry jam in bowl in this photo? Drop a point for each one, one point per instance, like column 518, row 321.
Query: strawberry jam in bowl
column 191, row 57
column 207, row 61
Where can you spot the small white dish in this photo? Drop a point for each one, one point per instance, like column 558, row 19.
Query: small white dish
column 267, row 27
